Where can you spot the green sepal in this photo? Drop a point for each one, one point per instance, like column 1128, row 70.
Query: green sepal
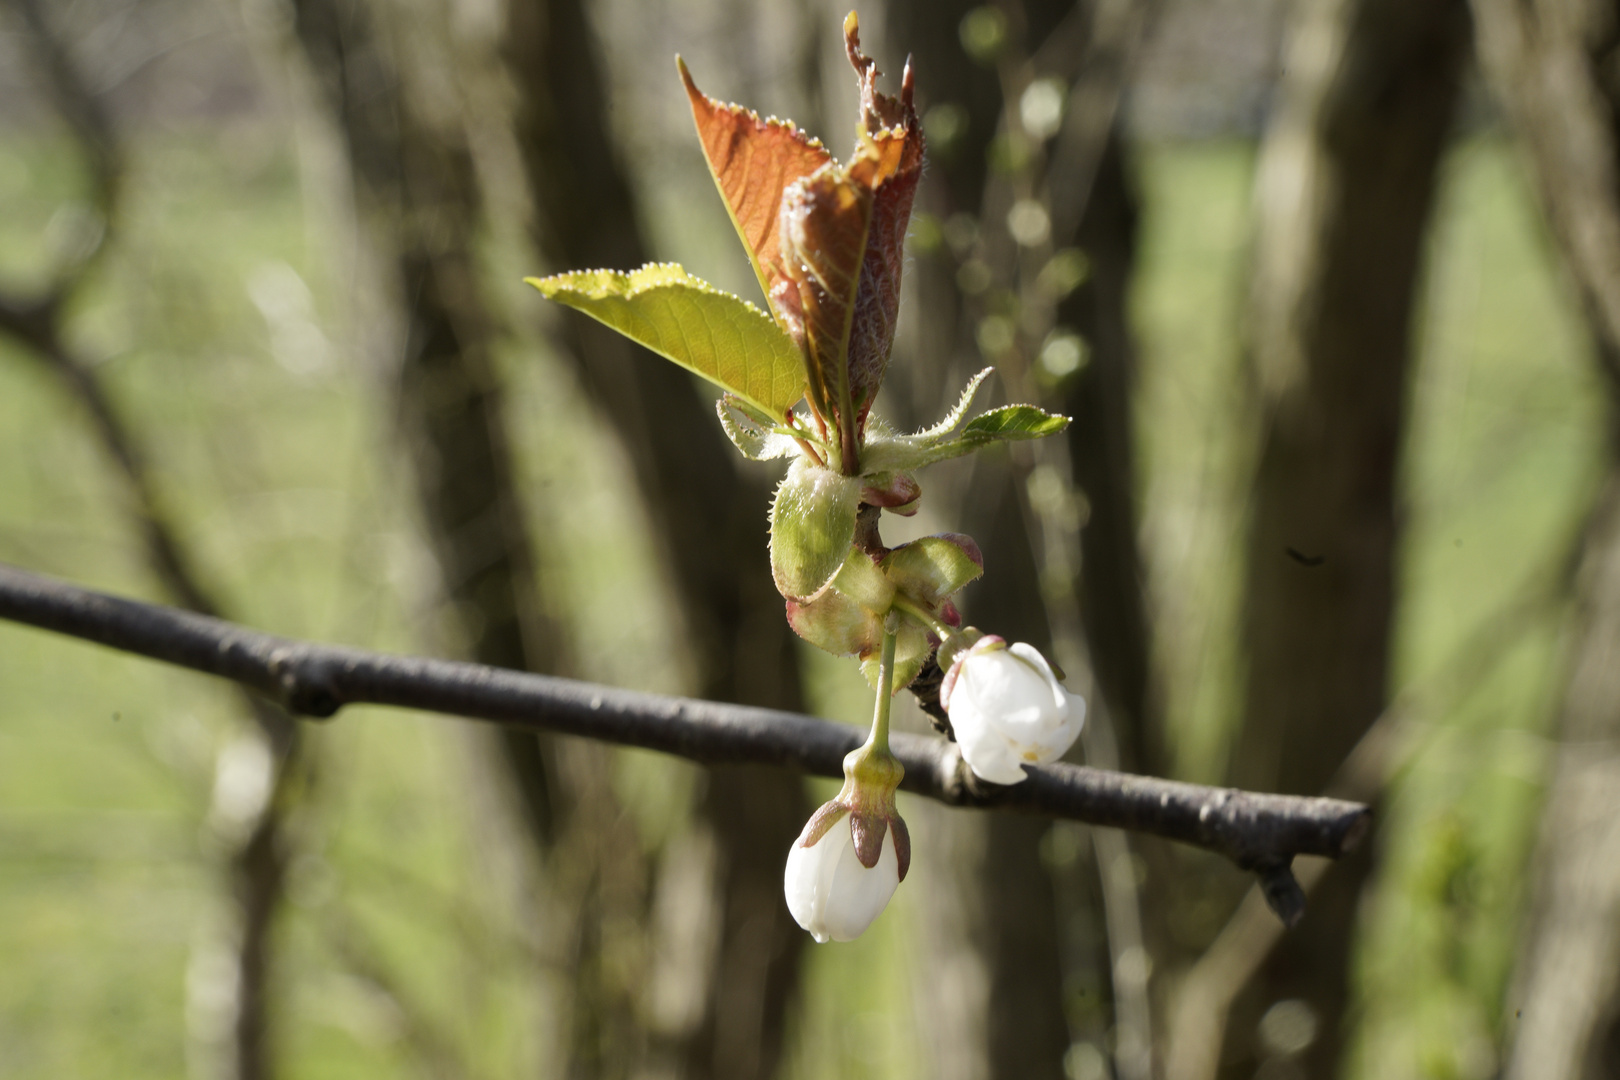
column 836, row 624
column 846, row 619
column 812, row 525
column 932, row 568
column 719, row 336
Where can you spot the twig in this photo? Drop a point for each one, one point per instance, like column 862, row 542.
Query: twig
column 1257, row 831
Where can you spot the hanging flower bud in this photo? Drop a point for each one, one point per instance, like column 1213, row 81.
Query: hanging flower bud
column 1008, row 709
column 853, row 853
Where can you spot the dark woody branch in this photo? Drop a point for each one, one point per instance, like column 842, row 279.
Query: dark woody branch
column 1259, row 832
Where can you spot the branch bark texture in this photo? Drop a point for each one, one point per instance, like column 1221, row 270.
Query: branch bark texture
column 1257, row 831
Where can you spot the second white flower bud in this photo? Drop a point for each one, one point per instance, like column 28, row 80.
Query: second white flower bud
column 1008, row 709
column 853, row 853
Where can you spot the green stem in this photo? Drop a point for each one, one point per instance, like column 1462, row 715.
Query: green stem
column 879, row 739
column 913, row 610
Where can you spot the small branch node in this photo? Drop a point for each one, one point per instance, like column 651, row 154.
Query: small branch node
column 1282, row 892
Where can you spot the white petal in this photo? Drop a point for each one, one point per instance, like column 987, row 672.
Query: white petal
column 1032, row 656
column 807, row 881
column 859, row 895
column 985, row 749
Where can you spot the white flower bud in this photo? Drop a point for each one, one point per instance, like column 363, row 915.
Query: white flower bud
column 1007, row 709
column 830, row 893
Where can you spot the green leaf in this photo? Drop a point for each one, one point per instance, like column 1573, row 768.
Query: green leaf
column 725, row 339
column 1009, row 423
column 812, row 526
column 1012, row 422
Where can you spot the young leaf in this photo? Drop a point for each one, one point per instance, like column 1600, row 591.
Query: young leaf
column 750, row 430
column 1006, row 424
column 824, row 221
column 1012, row 422
column 892, row 146
column 752, row 161
column 953, row 419
column 726, row 340
column 932, row 568
column 812, row 526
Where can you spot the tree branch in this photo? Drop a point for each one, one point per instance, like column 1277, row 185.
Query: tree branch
column 1258, row 832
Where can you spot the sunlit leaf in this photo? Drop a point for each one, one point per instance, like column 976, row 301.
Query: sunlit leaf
column 1009, row 423
column 726, row 340
column 933, row 567
column 753, row 162
column 1012, row 422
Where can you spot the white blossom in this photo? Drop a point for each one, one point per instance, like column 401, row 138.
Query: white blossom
column 1008, row 709
column 828, row 891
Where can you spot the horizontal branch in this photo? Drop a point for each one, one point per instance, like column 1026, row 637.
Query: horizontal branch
column 1259, row 832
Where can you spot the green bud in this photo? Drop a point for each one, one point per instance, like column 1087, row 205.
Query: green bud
column 812, row 525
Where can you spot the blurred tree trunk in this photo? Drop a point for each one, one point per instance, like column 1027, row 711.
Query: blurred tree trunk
column 1001, row 912
column 1566, row 992
column 1102, row 456
column 711, row 522
column 418, row 196
column 1346, row 182
column 1551, row 66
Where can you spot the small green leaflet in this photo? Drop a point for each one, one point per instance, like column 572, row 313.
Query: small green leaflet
column 723, row 338
column 953, row 419
column 1011, row 422
column 1006, row 424
column 887, row 452
column 750, row 430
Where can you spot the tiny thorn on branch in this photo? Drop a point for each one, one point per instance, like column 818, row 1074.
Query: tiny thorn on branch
column 1256, row 831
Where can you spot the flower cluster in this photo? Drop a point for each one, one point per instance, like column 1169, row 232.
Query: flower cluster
column 826, row 240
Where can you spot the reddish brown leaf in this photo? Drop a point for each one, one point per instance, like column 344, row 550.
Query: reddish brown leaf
column 892, row 152
column 823, row 237
column 753, row 162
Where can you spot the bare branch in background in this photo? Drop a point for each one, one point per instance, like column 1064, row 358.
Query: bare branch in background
column 1257, row 831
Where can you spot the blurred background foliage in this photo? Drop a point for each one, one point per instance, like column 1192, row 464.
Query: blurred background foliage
column 1287, row 264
